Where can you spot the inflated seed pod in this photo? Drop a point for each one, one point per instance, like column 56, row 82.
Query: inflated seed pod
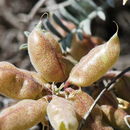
column 96, row 63
column 80, row 48
column 46, row 56
column 61, row 114
column 23, row 115
column 82, row 103
column 17, row 83
column 115, row 117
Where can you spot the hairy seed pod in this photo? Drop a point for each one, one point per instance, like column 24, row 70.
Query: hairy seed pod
column 82, row 103
column 80, row 48
column 96, row 63
column 23, row 115
column 46, row 56
column 61, row 114
column 115, row 117
column 17, row 83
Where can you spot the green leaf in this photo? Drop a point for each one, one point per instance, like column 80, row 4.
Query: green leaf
column 111, row 3
column 76, row 5
column 52, row 29
column 59, row 22
column 26, row 33
column 86, row 26
column 80, row 34
column 23, row 46
column 62, row 126
column 66, row 42
column 67, row 15
column 101, row 14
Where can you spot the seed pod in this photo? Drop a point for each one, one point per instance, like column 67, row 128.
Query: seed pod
column 96, row 63
column 61, row 114
column 46, row 57
column 80, row 48
column 23, row 115
column 115, row 117
column 17, row 83
column 82, row 103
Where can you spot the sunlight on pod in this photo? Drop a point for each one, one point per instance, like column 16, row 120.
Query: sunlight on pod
column 96, row 63
column 61, row 114
column 46, row 56
column 23, row 115
column 17, row 83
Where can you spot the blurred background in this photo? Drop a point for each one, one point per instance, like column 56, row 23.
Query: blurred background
column 17, row 16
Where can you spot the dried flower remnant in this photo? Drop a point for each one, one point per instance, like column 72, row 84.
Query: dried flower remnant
column 96, row 63
column 61, row 114
column 46, row 56
column 23, row 115
column 17, row 83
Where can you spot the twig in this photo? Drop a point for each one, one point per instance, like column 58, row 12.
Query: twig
column 9, row 17
column 112, row 74
column 34, row 10
column 102, row 92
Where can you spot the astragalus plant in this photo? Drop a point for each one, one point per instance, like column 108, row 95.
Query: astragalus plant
column 53, row 93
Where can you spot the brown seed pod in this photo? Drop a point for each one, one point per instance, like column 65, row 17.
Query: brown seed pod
column 23, row 115
column 17, row 83
column 80, row 48
column 82, row 102
column 46, row 57
column 96, row 63
column 115, row 117
column 61, row 114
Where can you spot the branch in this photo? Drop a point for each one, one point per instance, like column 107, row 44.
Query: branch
column 107, row 88
column 34, row 10
column 9, row 17
column 112, row 74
